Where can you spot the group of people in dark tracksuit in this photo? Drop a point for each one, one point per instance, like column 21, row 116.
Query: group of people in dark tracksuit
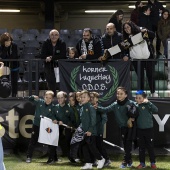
column 140, row 115
column 85, row 117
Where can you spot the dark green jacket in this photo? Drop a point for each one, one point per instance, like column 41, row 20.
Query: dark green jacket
column 88, row 118
column 76, row 114
column 120, row 112
column 145, row 118
column 101, row 119
column 41, row 109
column 65, row 114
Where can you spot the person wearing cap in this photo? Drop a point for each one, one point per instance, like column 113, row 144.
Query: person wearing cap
column 145, row 128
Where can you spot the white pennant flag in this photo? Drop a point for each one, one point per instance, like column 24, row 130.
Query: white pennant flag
column 49, row 132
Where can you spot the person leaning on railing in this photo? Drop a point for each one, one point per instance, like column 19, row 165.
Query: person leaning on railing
column 8, row 50
column 130, row 29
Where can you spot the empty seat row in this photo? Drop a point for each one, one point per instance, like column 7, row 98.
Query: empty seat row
column 19, row 32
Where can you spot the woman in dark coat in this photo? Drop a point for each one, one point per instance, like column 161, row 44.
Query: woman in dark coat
column 8, row 50
column 116, row 19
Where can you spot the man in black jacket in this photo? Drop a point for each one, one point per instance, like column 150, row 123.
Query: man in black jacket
column 112, row 38
column 156, row 8
column 53, row 49
column 89, row 47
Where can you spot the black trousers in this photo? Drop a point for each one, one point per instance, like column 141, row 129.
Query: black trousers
column 145, row 140
column 14, row 82
column 52, row 152
column 150, row 69
column 33, row 140
column 90, row 151
column 127, row 145
column 100, row 147
column 158, row 40
column 65, row 135
column 51, row 80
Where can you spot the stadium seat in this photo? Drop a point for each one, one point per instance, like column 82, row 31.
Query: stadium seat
column 15, row 37
column 65, row 31
column 33, row 31
column 17, row 31
column 3, row 30
column 97, row 32
column 64, row 37
column 30, row 50
column 45, row 31
column 76, row 37
column 42, row 37
column 71, row 42
column 27, row 37
column 33, row 43
column 19, row 43
column 80, row 31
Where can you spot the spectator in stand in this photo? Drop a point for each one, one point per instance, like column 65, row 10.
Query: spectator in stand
column 53, row 49
column 156, row 8
column 164, row 29
column 89, row 47
column 136, row 12
column 131, row 29
column 112, row 38
column 116, row 19
column 9, row 50
column 72, row 53
column 144, row 19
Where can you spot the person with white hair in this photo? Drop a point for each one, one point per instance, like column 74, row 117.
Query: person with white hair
column 52, row 50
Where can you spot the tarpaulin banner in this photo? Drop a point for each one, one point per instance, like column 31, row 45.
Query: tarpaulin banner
column 92, row 76
column 16, row 119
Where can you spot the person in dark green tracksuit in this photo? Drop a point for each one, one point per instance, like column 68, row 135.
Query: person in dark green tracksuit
column 66, row 115
column 78, row 105
column 145, row 128
column 101, row 119
column 88, row 125
column 44, row 107
column 120, row 109
column 72, row 104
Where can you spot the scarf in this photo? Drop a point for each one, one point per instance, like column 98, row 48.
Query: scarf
column 122, row 102
column 78, row 136
column 85, row 50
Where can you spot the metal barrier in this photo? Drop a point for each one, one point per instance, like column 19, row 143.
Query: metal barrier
column 31, row 78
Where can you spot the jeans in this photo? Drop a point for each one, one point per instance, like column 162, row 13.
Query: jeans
column 2, row 166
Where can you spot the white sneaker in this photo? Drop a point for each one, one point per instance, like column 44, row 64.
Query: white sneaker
column 100, row 163
column 154, row 95
column 168, row 85
column 87, row 166
column 28, row 160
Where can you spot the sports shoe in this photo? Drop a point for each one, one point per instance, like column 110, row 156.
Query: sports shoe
column 153, row 166
column 140, row 166
column 100, row 163
column 107, row 162
column 50, row 161
column 123, row 165
column 87, row 166
column 129, row 164
column 28, row 160
column 154, row 95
